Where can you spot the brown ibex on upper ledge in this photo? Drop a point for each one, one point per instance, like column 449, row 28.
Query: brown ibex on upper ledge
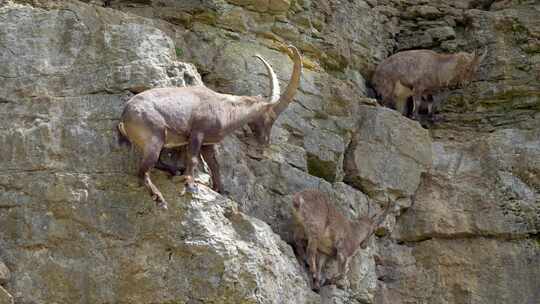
column 419, row 73
column 328, row 232
column 199, row 118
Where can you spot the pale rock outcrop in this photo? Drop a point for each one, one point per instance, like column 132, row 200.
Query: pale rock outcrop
column 72, row 216
column 388, row 153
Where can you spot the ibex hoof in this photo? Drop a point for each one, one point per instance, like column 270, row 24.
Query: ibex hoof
column 193, row 189
column 162, row 205
column 160, row 201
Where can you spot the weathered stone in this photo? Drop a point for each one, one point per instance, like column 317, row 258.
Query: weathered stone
column 234, row 20
column 483, row 187
column 274, row 6
column 279, row 5
column 389, row 152
column 424, row 11
column 72, row 217
column 423, row 40
column 151, row 247
column 442, row 33
column 358, row 42
column 286, row 31
column 388, row 11
column 325, row 152
column 69, row 59
column 466, row 270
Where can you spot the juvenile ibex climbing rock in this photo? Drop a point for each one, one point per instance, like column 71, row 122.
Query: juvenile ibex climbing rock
column 419, row 73
column 328, row 232
column 199, row 118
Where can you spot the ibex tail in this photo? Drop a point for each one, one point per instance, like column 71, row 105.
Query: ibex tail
column 122, row 137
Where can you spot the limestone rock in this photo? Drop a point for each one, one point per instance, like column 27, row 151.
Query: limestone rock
column 202, row 248
column 73, row 219
column 483, row 187
column 389, row 152
column 274, row 6
column 473, row 267
column 424, row 11
column 442, row 33
column 83, row 50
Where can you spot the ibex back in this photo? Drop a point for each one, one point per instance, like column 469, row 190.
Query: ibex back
column 199, row 118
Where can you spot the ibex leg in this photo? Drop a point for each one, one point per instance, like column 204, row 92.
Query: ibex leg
column 160, row 165
column 312, row 262
column 320, row 265
column 343, row 265
column 417, row 102
column 299, row 244
column 209, row 154
column 192, row 160
column 401, row 105
column 150, row 157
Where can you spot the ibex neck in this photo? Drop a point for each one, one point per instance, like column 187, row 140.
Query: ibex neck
column 449, row 73
column 240, row 113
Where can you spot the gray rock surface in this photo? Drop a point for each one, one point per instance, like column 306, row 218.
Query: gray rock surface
column 484, row 187
column 79, row 50
column 83, row 248
column 75, row 226
column 459, row 270
column 388, row 153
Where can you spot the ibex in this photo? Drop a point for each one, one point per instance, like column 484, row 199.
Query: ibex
column 328, row 232
column 419, row 73
column 199, row 118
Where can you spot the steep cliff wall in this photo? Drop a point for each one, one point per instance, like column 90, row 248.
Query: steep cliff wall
column 75, row 226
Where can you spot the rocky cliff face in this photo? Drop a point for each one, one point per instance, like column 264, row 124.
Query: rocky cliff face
column 76, row 228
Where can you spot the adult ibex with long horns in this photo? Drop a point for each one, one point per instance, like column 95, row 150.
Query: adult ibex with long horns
column 420, row 73
column 199, row 118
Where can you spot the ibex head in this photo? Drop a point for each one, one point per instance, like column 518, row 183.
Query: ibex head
column 372, row 223
column 469, row 63
column 262, row 125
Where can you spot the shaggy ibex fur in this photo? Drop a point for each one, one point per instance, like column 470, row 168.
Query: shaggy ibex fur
column 328, row 232
column 199, row 118
column 419, row 73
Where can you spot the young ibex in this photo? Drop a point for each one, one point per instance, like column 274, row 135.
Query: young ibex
column 419, row 73
column 328, row 232
column 199, row 118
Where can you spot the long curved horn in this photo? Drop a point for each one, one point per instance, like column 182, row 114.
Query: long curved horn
column 274, row 84
column 294, row 82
